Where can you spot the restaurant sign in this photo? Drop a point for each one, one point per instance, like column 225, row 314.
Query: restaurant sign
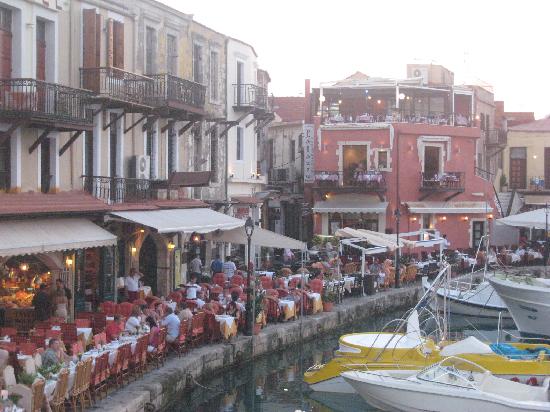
column 309, row 172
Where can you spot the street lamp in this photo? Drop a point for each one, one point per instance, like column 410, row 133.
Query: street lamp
column 249, row 229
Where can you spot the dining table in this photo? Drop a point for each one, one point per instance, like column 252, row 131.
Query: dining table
column 288, row 307
column 317, row 303
column 228, row 326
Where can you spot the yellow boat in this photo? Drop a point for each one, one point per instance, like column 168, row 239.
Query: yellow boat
column 410, row 352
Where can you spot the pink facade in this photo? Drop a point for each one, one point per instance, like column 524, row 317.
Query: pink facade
column 452, row 203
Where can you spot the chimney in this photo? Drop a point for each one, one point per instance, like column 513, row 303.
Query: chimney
column 307, row 104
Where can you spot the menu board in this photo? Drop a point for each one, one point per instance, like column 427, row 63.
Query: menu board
column 308, row 144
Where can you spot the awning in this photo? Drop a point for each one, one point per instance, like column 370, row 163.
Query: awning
column 538, row 200
column 449, row 207
column 189, row 179
column 22, row 237
column 199, row 220
column 350, row 204
column 260, row 237
column 535, row 219
column 385, row 240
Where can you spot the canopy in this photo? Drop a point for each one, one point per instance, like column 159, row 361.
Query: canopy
column 535, row 219
column 374, row 238
column 351, row 204
column 468, row 345
column 200, row 220
column 260, row 237
column 21, row 237
column 449, row 207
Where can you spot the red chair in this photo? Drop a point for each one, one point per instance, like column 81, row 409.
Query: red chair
column 124, row 309
column 140, row 302
column 56, row 321
column 192, row 305
column 280, row 283
column 53, row 334
column 293, row 283
column 159, row 353
column 39, row 341
column 27, row 348
column 237, row 279
column 70, row 335
column 76, row 348
column 99, row 322
column 213, row 332
column 9, row 346
column 19, row 339
column 180, row 344
column 100, row 339
column 8, row 332
column 316, row 285
column 175, row 297
column 108, row 308
column 273, row 308
column 197, row 329
column 100, row 374
column 237, row 289
column 215, row 292
column 83, row 323
column 267, row 282
column 219, row 279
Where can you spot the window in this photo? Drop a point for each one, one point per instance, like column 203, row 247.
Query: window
column 197, row 63
column 240, row 143
column 172, row 55
column 172, row 150
column 292, row 150
column 6, row 42
column 150, row 47
column 214, row 76
column 383, row 162
column 88, row 153
column 214, row 155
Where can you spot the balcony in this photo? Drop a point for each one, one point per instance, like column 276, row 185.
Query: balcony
column 250, row 96
column 440, row 183
column 432, row 118
column 45, row 105
column 350, row 182
column 113, row 190
column 495, row 137
column 172, row 94
column 121, row 89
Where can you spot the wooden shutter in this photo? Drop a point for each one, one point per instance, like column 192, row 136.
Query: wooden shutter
column 110, row 40
column 118, row 44
column 89, row 39
column 5, row 54
column 40, row 50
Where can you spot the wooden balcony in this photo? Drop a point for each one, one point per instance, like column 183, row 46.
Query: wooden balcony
column 118, row 88
column 45, row 105
column 452, row 182
column 176, row 97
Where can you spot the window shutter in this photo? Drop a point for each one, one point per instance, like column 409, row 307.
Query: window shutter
column 89, row 38
column 110, row 43
column 118, row 43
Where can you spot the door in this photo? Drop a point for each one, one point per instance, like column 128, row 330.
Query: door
column 432, row 165
column 45, row 166
column 478, row 230
column 355, row 164
column 148, row 263
column 547, row 167
column 116, row 191
column 240, row 83
column 5, row 165
column 40, row 50
column 5, row 43
column 518, row 167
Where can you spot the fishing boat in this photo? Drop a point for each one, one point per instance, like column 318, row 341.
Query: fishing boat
column 453, row 384
column 469, row 299
column 528, row 300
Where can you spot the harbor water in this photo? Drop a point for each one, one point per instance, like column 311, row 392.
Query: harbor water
column 273, row 383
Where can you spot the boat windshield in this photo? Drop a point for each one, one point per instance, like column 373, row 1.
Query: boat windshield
column 453, row 371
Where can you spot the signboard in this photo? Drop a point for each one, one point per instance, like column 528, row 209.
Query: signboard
column 309, row 166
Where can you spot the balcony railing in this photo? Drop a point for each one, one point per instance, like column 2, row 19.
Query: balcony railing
column 120, row 189
column 168, row 89
column 366, row 181
column 537, row 183
column 42, row 101
column 250, row 95
column 433, row 118
column 114, row 83
column 448, row 181
column 495, row 137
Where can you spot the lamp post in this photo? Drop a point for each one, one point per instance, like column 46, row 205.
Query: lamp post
column 249, row 229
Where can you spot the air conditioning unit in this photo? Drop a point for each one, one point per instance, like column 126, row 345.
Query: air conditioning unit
column 142, row 167
column 421, row 72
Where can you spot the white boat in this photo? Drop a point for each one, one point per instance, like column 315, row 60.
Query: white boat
column 469, row 299
column 453, row 384
column 528, row 300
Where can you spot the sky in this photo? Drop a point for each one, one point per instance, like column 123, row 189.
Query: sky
column 502, row 44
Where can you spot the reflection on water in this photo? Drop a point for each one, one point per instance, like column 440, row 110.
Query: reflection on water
column 274, row 382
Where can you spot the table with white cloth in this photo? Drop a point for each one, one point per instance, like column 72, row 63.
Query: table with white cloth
column 49, row 387
column 349, row 281
column 299, row 276
column 228, row 326
column 144, row 291
column 171, row 305
column 112, row 348
column 421, row 265
column 317, row 303
column 288, row 308
column 87, row 332
column 265, row 273
column 368, row 177
column 534, row 254
column 327, row 176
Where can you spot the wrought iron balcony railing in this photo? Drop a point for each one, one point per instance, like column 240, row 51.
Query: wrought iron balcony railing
column 120, row 189
column 446, row 181
column 172, row 90
column 495, row 137
column 118, row 84
column 431, row 117
column 372, row 180
column 250, row 95
column 43, row 101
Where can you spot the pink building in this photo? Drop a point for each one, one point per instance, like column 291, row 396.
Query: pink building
column 380, row 143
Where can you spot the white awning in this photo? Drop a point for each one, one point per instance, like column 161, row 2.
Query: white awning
column 200, row 220
column 351, row 204
column 23, row 237
column 535, row 219
column 450, row 207
column 260, row 237
column 537, row 200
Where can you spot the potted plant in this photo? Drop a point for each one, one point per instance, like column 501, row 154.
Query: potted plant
column 503, row 183
column 258, row 313
column 329, row 298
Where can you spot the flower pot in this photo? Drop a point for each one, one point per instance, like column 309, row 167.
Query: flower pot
column 257, row 328
column 327, row 306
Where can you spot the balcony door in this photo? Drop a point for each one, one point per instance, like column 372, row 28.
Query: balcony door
column 432, row 161
column 240, row 82
column 5, row 43
column 518, row 167
column 40, row 50
column 478, row 231
column 5, row 165
column 150, row 50
column 115, row 190
column 547, row 167
column 45, row 166
column 355, row 160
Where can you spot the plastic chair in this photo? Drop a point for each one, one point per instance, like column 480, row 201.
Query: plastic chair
column 237, row 279
column 219, row 279
column 83, row 323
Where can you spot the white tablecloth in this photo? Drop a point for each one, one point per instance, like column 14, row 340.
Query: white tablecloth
column 146, row 290
column 265, row 273
column 348, row 283
column 86, row 331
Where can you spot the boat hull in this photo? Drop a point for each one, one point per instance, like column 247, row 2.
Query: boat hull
column 528, row 305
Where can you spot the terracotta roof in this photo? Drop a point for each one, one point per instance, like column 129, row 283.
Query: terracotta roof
column 290, row 109
column 12, row 204
column 517, row 118
column 246, row 200
column 542, row 125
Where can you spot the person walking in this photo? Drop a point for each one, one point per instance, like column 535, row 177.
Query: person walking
column 196, row 266
column 217, row 265
column 229, row 267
